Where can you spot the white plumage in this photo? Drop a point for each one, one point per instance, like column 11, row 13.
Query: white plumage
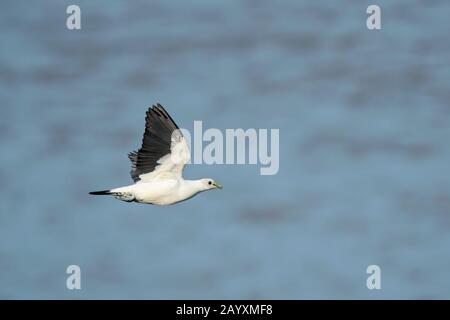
column 157, row 168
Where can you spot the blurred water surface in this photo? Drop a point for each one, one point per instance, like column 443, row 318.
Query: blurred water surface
column 364, row 155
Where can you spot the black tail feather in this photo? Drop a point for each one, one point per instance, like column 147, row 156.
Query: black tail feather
column 100, row 193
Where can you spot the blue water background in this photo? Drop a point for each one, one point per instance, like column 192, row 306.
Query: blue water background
column 364, row 121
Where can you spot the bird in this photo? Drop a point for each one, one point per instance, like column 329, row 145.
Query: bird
column 157, row 167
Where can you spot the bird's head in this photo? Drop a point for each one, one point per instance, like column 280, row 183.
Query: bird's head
column 209, row 183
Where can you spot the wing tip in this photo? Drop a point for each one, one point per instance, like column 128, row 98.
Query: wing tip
column 159, row 110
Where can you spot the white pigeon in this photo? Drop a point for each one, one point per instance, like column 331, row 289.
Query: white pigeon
column 157, row 168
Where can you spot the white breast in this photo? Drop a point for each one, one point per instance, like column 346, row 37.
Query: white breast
column 159, row 192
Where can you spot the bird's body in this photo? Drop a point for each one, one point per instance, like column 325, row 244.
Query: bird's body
column 157, row 167
column 160, row 192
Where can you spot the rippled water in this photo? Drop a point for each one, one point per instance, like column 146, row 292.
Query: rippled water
column 364, row 122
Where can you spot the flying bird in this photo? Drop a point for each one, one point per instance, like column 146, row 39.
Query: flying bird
column 157, row 167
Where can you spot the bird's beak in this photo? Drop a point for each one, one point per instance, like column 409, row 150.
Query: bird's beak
column 217, row 185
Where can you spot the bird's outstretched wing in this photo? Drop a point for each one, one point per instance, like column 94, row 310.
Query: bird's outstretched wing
column 164, row 149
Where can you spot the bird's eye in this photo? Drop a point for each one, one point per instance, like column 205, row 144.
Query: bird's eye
column 209, row 182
